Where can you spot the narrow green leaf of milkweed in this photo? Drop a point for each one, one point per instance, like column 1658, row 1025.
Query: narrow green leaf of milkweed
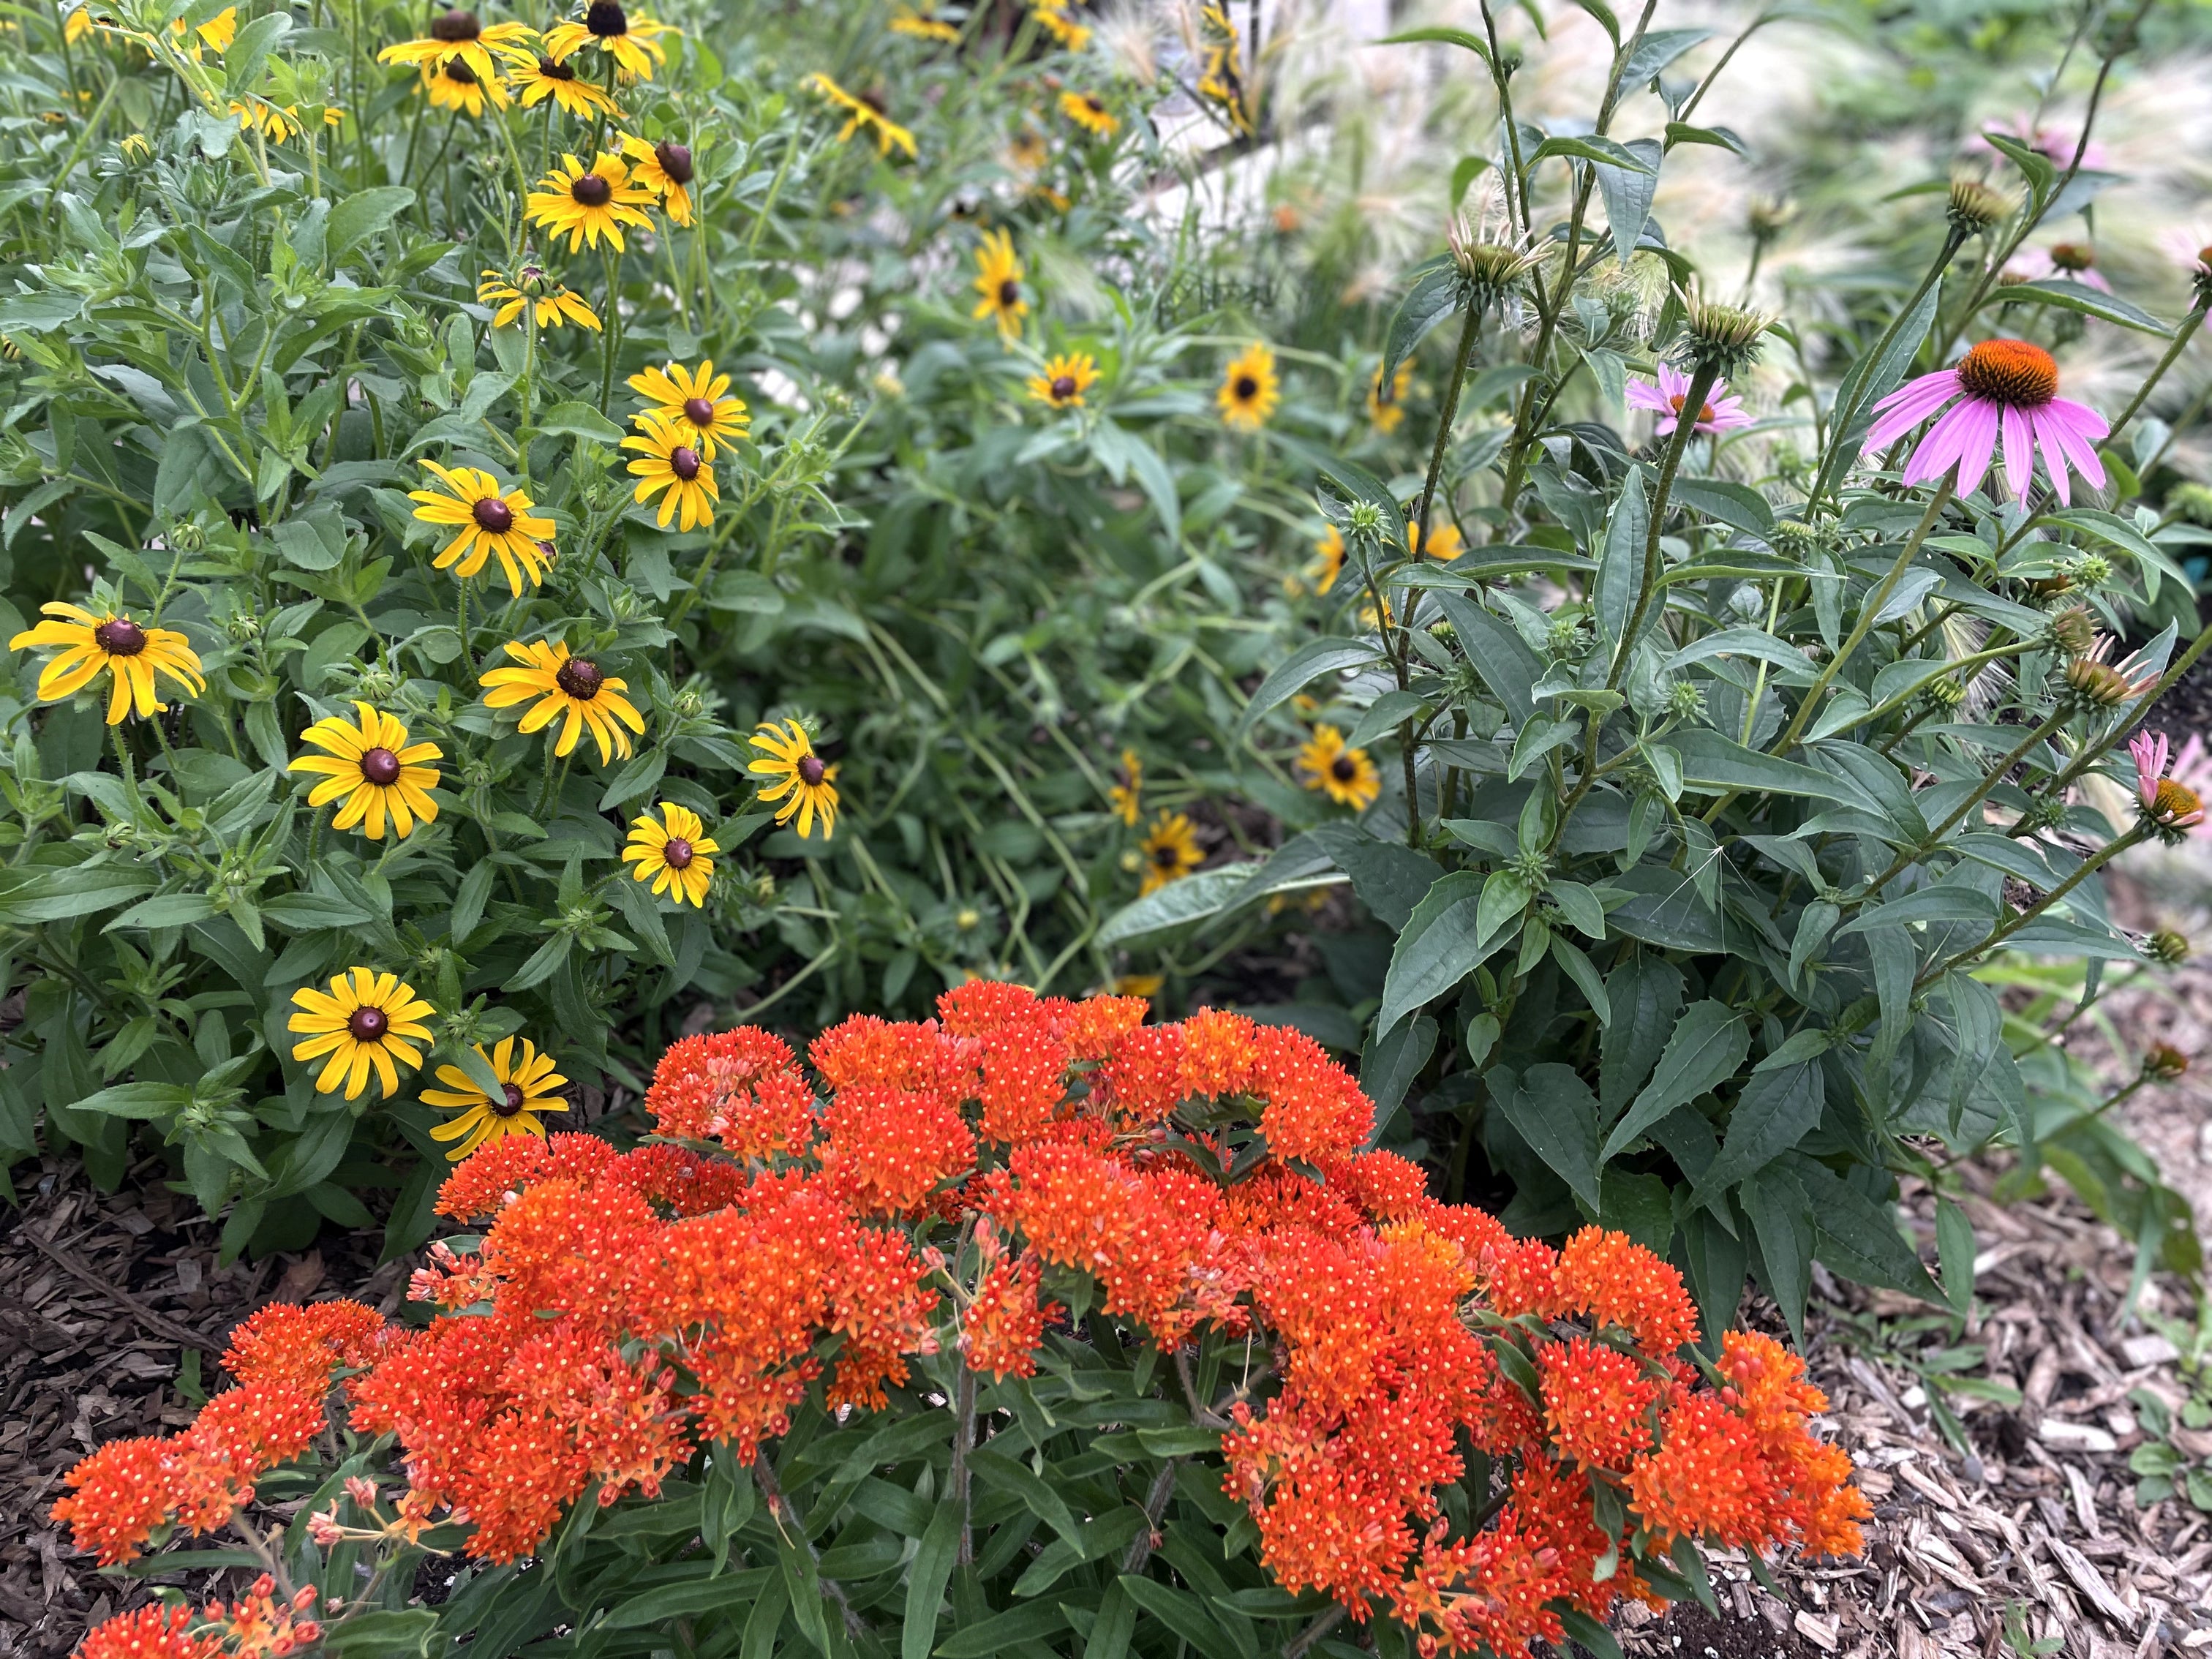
column 927, row 1579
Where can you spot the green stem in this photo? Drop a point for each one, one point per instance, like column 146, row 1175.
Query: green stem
column 1445, row 418
column 2088, row 867
column 1685, row 424
column 1954, row 240
column 2050, row 723
column 2182, row 335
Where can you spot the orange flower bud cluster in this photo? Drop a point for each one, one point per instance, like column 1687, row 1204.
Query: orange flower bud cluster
column 801, row 1233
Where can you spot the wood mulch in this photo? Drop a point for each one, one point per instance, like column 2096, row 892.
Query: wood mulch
column 2037, row 1515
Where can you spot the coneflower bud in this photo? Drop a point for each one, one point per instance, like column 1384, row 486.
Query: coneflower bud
column 2163, row 1063
column 1769, row 216
column 1794, row 538
column 2096, row 684
column 2167, row 946
column 1685, row 702
column 1946, row 692
column 2073, row 630
column 1491, row 269
column 1975, row 206
column 1722, row 338
column 2193, row 501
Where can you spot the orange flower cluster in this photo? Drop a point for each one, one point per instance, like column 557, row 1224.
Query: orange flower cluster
column 908, row 1192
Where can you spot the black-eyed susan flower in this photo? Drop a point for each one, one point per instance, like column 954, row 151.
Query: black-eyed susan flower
column 663, row 168
column 695, row 402
column 134, row 147
column 668, row 460
column 1329, row 559
column 88, row 643
column 371, row 766
column 1347, row 776
column 864, row 113
column 217, row 33
column 1028, row 151
column 365, row 1021
column 1052, row 17
column 1250, row 388
column 633, row 42
column 454, row 85
column 546, row 78
column 571, row 690
column 589, row 203
column 491, row 521
column 529, row 1089
column 998, row 281
column 550, row 303
column 1386, row 404
column 1065, row 379
column 804, row 782
column 461, row 36
column 921, row 26
column 1088, row 111
column 282, row 124
column 673, row 852
column 1123, row 796
column 1170, row 851
column 1445, row 543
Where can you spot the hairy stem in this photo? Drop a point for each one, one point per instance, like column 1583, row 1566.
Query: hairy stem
column 1685, row 424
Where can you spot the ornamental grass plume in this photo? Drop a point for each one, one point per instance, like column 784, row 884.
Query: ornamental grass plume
column 1021, row 1185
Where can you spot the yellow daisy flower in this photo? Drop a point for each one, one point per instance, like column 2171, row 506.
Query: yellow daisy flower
column 804, row 782
column 1065, row 379
column 1088, row 111
column 669, row 461
column 1028, row 152
column 589, row 203
column 864, row 113
column 546, row 78
column 665, row 169
column 1346, row 776
column 533, row 1089
column 1386, row 407
column 1170, row 852
column 461, row 36
column 1446, row 543
column 88, row 643
column 281, row 125
column 218, row 32
column 365, row 1020
column 571, row 690
column 380, row 775
column 1330, row 547
column 1051, row 17
column 674, row 853
column 1250, row 388
column 695, row 403
column 76, row 26
column 999, row 280
column 491, row 522
column 633, row 42
column 550, row 303
column 454, row 85
column 1122, row 797
column 906, row 21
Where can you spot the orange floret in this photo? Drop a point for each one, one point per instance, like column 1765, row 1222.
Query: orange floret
column 1613, row 1280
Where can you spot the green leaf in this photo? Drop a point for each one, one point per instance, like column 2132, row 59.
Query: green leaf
column 1439, row 36
column 1781, row 1218
column 1556, row 1115
column 1430, row 300
column 1857, row 1236
column 1038, row 1496
column 927, row 1579
column 1645, row 990
column 1620, row 567
column 1388, row 877
column 1306, row 665
column 1497, row 653
column 360, row 216
column 1628, row 193
column 30, row 894
column 1657, row 49
column 137, row 1100
column 1776, row 1109
column 1586, row 1632
column 579, row 420
column 1577, row 967
column 1178, row 1609
column 987, row 1638
column 2071, row 295
column 1738, row 506
column 249, row 49
column 1116, row 1622
column 1441, row 945
column 1177, row 905
column 1679, row 132
column 1706, row 1047
column 1954, row 1250
column 1388, row 1064
column 385, row 1633
column 1591, row 147
column 686, row 1599
column 1713, row 764
column 165, row 910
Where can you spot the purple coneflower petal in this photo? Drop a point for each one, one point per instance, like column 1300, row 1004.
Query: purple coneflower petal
column 1938, row 450
column 1903, row 411
column 1672, row 383
column 2018, row 452
column 2054, row 454
column 1642, row 394
column 1927, row 390
column 2079, row 426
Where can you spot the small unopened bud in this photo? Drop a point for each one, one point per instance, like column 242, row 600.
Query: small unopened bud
column 2193, row 501
column 2073, row 630
column 1975, row 206
column 1946, row 692
column 2163, row 1063
column 1794, row 538
column 2167, row 946
column 1721, row 338
column 1685, row 702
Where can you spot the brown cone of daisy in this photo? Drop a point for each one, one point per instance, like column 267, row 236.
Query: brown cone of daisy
column 365, row 1021
column 567, row 689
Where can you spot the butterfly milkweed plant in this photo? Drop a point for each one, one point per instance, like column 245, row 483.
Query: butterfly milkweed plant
column 1032, row 1327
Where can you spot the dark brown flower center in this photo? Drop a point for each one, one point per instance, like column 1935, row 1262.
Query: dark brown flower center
column 1063, row 387
column 380, row 766
column 606, row 20
column 1246, row 388
column 1009, row 293
column 1343, row 769
column 683, row 462
column 368, row 1025
column 811, row 771
column 2204, row 255
column 579, row 678
column 2009, row 372
column 675, row 161
column 676, row 853
column 1166, row 856
column 591, row 190
column 553, row 71
column 493, row 515
column 510, row 1102
column 455, row 26
column 2072, row 256
column 459, row 73
column 119, row 636
column 699, row 413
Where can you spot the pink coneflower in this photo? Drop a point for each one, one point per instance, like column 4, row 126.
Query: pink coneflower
column 1666, row 397
column 2175, row 802
column 2072, row 261
column 2006, row 387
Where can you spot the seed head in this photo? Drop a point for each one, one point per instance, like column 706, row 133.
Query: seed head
column 1795, row 539
column 1491, row 262
column 1975, row 206
column 1946, row 692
